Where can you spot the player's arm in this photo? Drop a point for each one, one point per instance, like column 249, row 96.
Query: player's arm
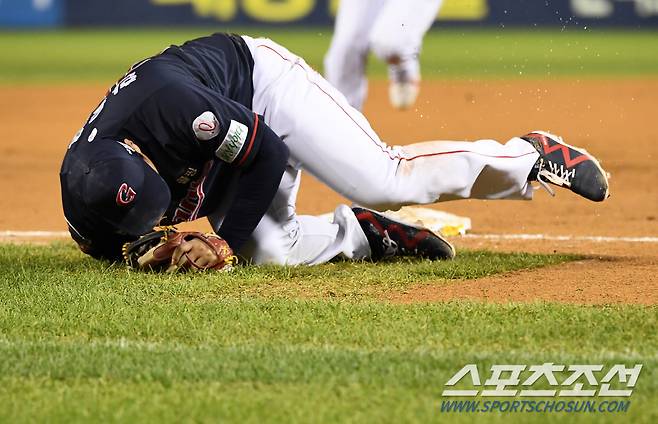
column 243, row 141
column 195, row 122
column 257, row 186
column 221, row 129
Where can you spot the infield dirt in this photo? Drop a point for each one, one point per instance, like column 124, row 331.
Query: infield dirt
column 613, row 119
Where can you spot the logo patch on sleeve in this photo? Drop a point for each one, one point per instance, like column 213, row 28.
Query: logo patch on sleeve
column 233, row 142
column 205, row 126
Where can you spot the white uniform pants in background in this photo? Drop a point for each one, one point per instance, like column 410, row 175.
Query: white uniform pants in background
column 335, row 143
column 388, row 28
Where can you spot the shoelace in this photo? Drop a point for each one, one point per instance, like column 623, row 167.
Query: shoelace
column 555, row 178
column 390, row 246
column 551, row 177
column 543, row 184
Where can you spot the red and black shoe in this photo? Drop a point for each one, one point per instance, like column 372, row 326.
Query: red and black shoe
column 392, row 238
column 567, row 166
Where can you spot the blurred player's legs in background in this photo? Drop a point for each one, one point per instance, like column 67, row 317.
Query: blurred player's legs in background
column 345, row 62
column 335, row 143
column 397, row 38
column 393, row 30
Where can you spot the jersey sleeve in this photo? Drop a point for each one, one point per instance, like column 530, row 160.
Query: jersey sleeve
column 257, row 187
column 214, row 125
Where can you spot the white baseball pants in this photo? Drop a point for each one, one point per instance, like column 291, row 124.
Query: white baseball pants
column 388, row 28
column 334, row 142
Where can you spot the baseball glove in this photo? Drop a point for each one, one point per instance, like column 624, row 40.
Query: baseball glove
column 155, row 251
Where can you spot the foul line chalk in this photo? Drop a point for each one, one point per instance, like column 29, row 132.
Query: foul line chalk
column 594, row 239
column 33, row 234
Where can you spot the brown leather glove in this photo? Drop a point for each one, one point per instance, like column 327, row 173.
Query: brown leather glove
column 163, row 250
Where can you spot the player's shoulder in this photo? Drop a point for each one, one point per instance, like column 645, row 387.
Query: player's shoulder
column 215, row 40
column 179, row 92
column 215, row 50
column 149, row 78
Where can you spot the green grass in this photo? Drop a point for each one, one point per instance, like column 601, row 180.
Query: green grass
column 81, row 340
column 103, row 55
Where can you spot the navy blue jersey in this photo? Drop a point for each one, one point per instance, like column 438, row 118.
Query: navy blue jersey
column 189, row 111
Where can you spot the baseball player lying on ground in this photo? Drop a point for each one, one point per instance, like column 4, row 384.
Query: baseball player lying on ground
column 221, row 127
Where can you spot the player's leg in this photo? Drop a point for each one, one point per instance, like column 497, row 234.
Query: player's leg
column 285, row 238
column 335, row 143
column 396, row 38
column 345, row 62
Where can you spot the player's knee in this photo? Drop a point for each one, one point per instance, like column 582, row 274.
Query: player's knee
column 384, row 50
column 387, row 45
column 273, row 247
column 262, row 252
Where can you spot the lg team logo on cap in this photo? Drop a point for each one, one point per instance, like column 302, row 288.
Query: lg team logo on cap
column 205, row 126
column 125, row 195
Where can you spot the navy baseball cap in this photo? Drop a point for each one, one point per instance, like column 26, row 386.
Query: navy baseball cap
column 107, row 181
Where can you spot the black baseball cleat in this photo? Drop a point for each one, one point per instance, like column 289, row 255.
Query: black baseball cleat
column 567, row 166
column 392, row 238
